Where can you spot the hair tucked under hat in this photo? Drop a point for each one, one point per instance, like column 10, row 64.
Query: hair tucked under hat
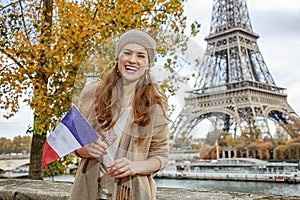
column 140, row 38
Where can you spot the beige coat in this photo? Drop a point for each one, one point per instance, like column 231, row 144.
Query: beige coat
column 140, row 144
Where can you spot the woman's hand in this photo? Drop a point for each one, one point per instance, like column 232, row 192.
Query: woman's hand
column 95, row 149
column 121, row 168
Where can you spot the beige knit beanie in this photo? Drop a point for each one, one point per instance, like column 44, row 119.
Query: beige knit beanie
column 140, row 38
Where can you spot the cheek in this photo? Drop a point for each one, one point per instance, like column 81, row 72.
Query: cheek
column 144, row 64
column 121, row 59
column 143, row 69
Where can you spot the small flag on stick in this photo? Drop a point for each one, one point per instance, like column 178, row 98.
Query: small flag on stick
column 73, row 132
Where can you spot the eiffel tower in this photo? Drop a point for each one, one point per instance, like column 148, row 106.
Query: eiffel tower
column 234, row 88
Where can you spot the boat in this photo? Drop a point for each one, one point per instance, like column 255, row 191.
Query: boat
column 19, row 172
column 237, row 169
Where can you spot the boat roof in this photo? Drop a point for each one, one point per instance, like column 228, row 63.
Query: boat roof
column 242, row 161
column 235, row 162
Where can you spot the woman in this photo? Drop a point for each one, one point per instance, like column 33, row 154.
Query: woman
column 129, row 113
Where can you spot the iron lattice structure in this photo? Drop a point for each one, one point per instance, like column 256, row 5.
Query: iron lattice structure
column 234, row 88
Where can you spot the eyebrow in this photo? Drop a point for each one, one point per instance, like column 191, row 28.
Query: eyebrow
column 139, row 52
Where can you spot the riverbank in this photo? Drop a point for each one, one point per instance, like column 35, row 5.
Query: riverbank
column 47, row 190
column 230, row 177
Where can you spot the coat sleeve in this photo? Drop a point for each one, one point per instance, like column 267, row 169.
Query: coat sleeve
column 159, row 147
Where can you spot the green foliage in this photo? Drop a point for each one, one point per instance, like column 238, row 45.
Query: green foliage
column 230, row 141
column 59, row 166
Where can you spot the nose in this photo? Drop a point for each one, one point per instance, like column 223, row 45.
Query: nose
column 133, row 58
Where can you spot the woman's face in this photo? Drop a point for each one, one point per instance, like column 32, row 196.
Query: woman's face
column 133, row 62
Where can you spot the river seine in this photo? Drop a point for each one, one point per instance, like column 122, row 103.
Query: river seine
column 284, row 189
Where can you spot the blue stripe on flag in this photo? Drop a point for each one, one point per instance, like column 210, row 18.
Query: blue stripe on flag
column 79, row 127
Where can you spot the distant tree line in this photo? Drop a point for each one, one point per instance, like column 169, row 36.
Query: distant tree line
column 279, row 148
column 17, row 145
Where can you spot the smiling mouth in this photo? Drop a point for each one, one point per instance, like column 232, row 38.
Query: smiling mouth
column 129, row 68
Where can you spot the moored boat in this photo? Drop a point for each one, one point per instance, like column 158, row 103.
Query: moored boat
column 243, row 169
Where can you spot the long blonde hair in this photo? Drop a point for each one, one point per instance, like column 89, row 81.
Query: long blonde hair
column 147, row 94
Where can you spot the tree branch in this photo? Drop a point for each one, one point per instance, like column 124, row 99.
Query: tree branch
column 95, row 14
column 23, row 20
column 12, row 58
column 4, row 7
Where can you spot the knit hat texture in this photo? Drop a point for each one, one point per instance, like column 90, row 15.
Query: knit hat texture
column 140, row 38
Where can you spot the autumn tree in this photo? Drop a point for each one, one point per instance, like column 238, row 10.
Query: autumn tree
column 5, row 145
column 44, row 43
column 265, row 150
column 296, row 122
column 229, row 140
column 17, row 145
column 59, row 167
column 281, row 152
column 294, row 151
column 21, row 144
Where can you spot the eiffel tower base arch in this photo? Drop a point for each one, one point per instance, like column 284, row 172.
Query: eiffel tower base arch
column 243, row 106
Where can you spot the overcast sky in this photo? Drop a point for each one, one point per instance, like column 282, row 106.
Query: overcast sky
column 277, row 23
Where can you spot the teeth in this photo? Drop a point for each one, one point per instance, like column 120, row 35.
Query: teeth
column 131, row 68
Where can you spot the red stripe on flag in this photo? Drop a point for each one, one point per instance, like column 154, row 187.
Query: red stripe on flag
column 49, row 155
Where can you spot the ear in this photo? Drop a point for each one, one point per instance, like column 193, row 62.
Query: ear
column 117, row 61
column 117, row 69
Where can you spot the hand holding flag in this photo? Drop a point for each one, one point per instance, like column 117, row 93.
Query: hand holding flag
column 73, row 132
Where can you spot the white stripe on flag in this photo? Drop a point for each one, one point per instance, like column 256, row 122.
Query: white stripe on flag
column 62, row 140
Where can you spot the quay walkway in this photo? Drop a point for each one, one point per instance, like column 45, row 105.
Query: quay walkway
column 47, row 190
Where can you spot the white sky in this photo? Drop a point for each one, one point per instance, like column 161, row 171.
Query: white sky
column 276, row 21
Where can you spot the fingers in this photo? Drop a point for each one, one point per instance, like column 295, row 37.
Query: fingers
column 121, row 168
column 96, row 148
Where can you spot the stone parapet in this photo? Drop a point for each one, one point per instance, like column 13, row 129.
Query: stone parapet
column 25, row 189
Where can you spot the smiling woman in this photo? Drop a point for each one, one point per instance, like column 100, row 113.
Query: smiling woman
column 128, row 111
column 133, row 62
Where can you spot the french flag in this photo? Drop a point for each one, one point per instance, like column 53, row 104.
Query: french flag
column 73, row 132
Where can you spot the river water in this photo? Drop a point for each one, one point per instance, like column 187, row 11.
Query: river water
column 268, row 188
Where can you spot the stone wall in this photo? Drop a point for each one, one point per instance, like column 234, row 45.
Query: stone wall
column 17, row 189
